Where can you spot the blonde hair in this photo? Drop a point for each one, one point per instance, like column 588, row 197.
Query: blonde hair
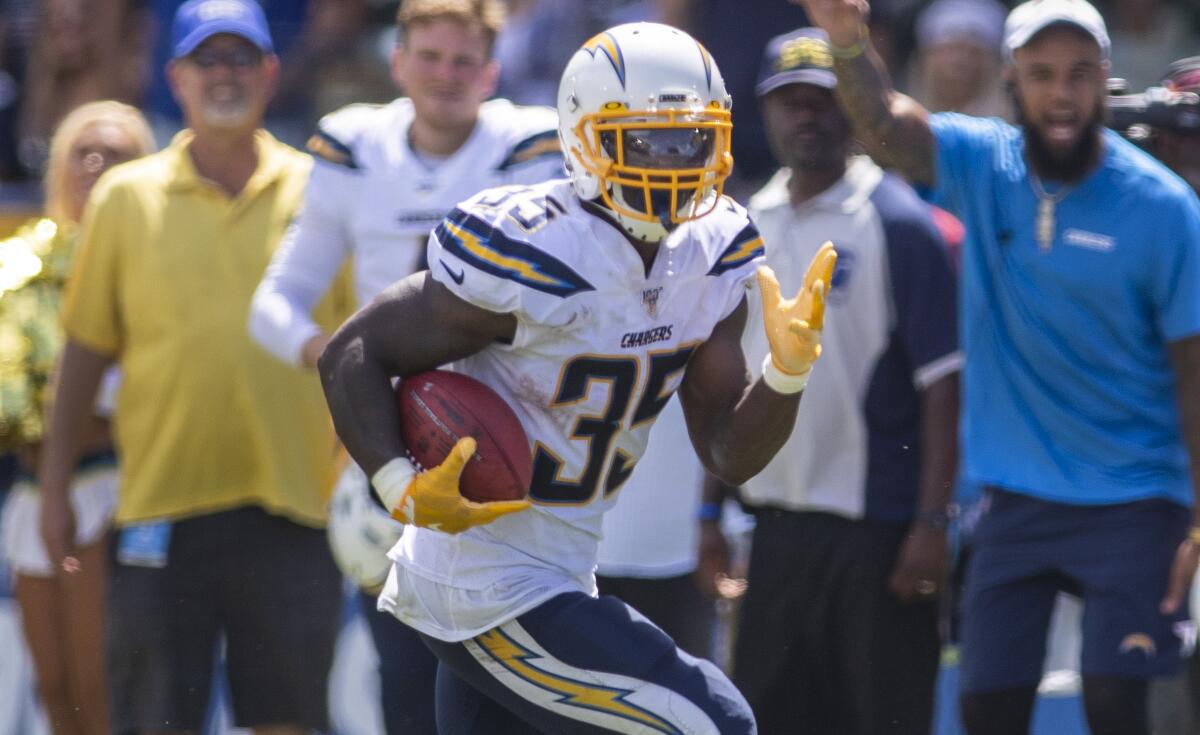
column 487, row 14
column 125, row 117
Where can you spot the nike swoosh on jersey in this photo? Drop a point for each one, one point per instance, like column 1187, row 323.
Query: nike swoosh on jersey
column 458, row 277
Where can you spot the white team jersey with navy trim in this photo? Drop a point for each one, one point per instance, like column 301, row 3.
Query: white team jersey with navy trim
column 371, row 197
column 599, row 348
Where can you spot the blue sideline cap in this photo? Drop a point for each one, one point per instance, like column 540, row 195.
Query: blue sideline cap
column 199, row 20
column 799, row 57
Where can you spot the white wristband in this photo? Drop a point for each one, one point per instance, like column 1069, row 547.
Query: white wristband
column 392, row 480
column 782, row 382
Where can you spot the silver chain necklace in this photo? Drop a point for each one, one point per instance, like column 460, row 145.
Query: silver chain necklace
column 1047, row 203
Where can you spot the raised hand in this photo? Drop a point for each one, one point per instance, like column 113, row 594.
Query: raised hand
column 843, row 20
column 794, row 325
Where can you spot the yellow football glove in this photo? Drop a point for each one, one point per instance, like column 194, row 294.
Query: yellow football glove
column 794, row 325
column 431, row 499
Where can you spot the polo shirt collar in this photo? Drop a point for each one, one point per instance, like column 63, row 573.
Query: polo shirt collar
column 848, row 194
column 271, row 163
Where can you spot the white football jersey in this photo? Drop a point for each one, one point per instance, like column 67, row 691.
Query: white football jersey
column 600, row 347
column 370, row 196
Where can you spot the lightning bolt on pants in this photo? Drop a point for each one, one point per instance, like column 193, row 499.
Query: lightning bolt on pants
column 577, row 665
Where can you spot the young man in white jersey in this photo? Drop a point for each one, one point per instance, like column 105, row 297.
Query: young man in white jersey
column 384, row 176
column 584, row 304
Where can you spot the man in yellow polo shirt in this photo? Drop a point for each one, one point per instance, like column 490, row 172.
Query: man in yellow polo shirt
column 225, row 451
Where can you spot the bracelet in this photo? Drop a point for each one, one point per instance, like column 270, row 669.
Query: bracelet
column 392, row 480
column 1194, row 534
column 781, row 382
column 852, row 51
column 709, row 512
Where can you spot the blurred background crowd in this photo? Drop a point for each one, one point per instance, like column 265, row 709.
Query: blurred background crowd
column 58, row 54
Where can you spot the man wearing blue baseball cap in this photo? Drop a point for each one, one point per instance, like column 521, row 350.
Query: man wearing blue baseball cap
column 223, row 71
column 225, row 451
column 196, row 22
column 839, row 624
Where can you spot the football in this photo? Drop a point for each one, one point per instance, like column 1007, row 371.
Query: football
column 439, row 407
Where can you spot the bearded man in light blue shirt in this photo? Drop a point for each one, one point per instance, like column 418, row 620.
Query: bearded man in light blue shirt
column 1080, row 321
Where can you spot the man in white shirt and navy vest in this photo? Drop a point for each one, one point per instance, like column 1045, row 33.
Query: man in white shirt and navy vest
column 839, row 626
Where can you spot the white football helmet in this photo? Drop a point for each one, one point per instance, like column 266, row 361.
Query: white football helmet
column 360, row 531
column 644, row 120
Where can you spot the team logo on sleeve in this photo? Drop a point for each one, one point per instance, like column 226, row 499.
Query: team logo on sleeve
column 328, row 148
column 482, row 246
column 747, row 246
column 545, row 143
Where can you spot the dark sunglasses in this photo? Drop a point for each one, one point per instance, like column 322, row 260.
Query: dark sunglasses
column 239, row 58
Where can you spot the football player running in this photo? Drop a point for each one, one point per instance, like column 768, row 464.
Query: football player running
column 585, row 304
column 385, row 175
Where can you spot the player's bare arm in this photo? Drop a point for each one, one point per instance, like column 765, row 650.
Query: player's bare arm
column 1185, row 361
column 738, row 426
column 894, row 127
column 414, row 325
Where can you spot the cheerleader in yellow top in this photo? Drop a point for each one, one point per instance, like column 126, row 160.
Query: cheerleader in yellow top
column 62, row 614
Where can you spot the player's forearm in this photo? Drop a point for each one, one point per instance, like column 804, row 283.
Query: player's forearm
column 357, row 368
column 894, row 128
column 80, row 371
column 939, row 446
column 1185, row 361
column 414, row 325
column 747, row 438
column 358, row 389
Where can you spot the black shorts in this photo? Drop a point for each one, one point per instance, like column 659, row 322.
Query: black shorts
column 823, row 645
column 267, row 585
